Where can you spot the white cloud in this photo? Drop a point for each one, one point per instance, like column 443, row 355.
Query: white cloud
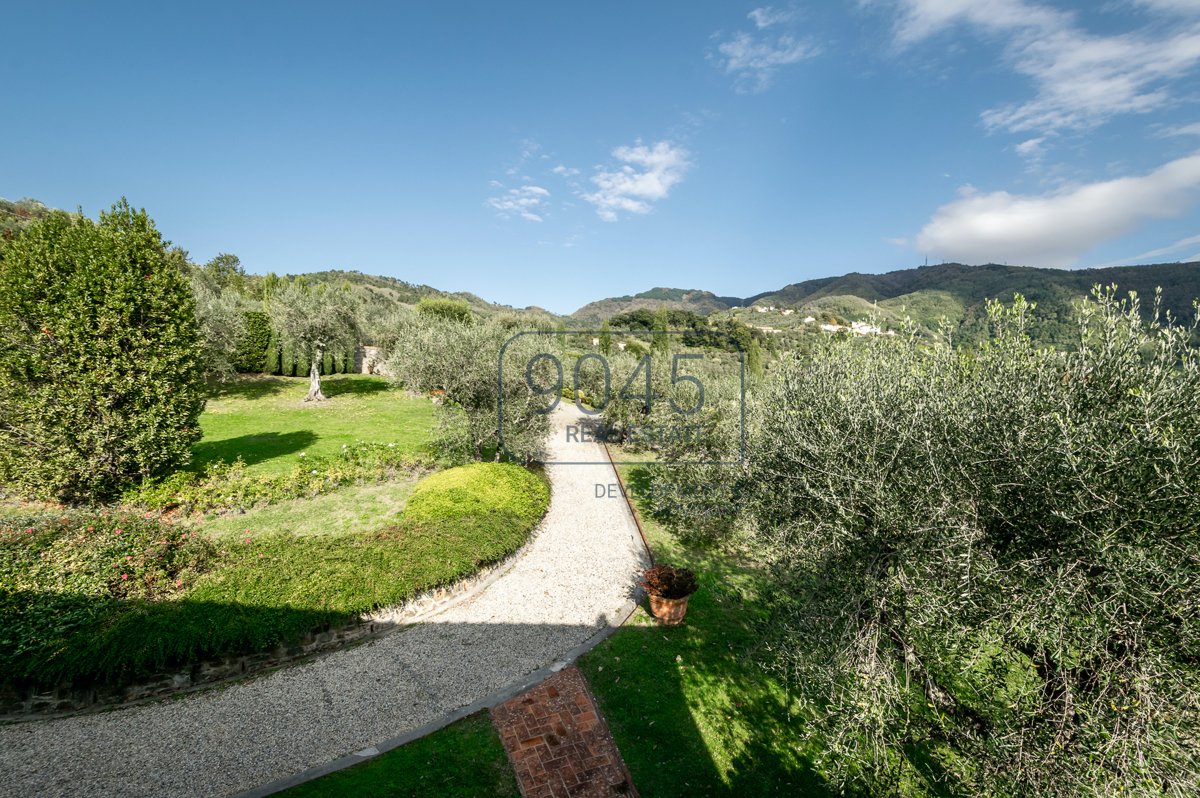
column 645, row 175
column 1032, row 149
column 1172, row 6
column 528, row 202
column 767, row 16
column 754, row 58
column 1080, row 79
column 1056, row 229
column 565, row 171
column 1183, row 130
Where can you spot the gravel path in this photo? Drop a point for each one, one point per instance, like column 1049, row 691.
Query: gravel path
column 572, row 580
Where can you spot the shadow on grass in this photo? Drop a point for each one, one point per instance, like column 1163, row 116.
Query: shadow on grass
column 94, row 641
column 349, row 385
column 251, row 448
column 247, row 387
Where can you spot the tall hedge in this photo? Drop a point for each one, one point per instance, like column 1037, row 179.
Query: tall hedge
column 272, row 363
column 101, row 370
column 251, row 356
column 287, row 361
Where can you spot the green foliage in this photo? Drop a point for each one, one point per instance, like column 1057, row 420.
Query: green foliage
column 313, row 320
column 462, row 361
column 287, row 359
column 606, row 341
column 101, row 365
column 232, row 487
column 67, row 613
column 989, row 559
column 254, row 355
column 480, row 489
column 452, row 310
column 62, row 574
column 273, row 362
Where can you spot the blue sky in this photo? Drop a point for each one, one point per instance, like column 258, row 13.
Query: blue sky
column 556, row 153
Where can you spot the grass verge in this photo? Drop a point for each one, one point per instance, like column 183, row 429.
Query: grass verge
column 463, row 760
column 689, row 707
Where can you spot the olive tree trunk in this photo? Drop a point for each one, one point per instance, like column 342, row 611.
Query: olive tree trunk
column 314, row 377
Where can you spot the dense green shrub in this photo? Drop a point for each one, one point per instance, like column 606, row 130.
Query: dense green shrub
column 990, row 561
column 453, row 310
column 252, row 355
column 274, row 357
column 101, row 365
column 287, row 360
column 479, row 489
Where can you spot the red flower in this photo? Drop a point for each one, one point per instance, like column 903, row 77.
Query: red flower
column 117, row 532
column 247, row 540
column 124, row 576
column 29, row 531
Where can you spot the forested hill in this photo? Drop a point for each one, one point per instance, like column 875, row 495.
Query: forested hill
column 701, row 302
column 959, row 294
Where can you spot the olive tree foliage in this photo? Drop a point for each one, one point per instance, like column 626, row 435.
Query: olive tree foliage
column 989, row 561
column 312, row 320
column 460, row 364
column 101, row 359
column 220, row 314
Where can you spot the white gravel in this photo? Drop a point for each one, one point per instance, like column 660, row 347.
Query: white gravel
column 573, row 579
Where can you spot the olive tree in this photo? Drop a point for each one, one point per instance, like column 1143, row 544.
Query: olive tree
column 462, row 364
column 312, row 320
column 990, row 561
column 101, row 360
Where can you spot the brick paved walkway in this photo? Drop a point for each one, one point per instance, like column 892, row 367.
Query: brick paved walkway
column 558, row 743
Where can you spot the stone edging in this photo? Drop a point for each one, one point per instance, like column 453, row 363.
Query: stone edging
column 65, row 701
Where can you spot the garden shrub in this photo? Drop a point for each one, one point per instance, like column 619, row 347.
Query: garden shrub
column 990, row 560
column 479, row 489
column 101, row 362
column 252, row 354
column 62, row 574
column 274, row 358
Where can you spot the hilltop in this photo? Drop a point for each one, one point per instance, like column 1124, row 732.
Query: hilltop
column 700, row 302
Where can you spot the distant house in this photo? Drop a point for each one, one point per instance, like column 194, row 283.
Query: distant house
column 787, row 311
column 809, row 319
column 595, row 342
column 832, row 328
column 621, row 345
column 368, row 360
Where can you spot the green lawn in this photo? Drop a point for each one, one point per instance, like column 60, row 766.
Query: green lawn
column 463, row 760
column 689, row 707
column 266, row 422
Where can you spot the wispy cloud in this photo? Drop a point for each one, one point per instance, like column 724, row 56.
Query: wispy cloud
column 754, row 58
column 644, row 175
column 1080, row 79
column 1182, row 243
column 1182, row 130
column 1055, row 229
column 527, row 202
column 565, row 171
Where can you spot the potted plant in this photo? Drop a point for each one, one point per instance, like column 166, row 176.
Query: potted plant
column 669, row 589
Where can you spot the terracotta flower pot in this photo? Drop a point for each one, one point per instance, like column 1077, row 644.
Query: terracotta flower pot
column 669, row 612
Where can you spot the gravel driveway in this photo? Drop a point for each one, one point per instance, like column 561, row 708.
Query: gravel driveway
column 573, row 579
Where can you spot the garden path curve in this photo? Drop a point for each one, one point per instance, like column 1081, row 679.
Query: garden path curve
column 574, row 579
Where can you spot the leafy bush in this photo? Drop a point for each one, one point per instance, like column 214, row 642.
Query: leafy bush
column 479, row 489
column 991, row 559
column 101, row 365
column 452, row 310
column 462, row 360
column 61, row 575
